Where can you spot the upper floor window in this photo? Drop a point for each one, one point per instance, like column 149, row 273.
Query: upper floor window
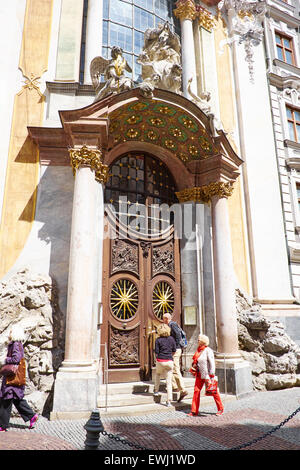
column 285, row 48
column 124, row 24
column 298, row 195
column 293, row 118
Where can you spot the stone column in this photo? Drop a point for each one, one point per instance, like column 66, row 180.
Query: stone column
column 76, row 382
column 186, row 12
column 224, row 277
column 238, row 372
column 228, row 359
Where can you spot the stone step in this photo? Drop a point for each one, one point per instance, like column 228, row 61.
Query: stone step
column 132, row 399
column 138, row 387
column 135, row 398
column 146, row 408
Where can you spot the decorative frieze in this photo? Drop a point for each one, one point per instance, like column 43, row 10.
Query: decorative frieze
column 89, row 157
column 205, row 193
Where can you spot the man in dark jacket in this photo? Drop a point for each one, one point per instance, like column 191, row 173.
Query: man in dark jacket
column 177, row 380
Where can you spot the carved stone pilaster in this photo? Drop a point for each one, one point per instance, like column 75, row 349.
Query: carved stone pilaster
column 205, row 193
column 185, row 10
column 245, row 24
column 86, row 156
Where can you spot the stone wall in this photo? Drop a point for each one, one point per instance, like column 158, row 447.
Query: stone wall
column 274, row 357
column 30, row 300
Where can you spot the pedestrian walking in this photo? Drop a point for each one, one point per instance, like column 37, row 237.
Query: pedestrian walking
column 165, row 348
column 177, row 379
column 14, row 394
column 203, row 368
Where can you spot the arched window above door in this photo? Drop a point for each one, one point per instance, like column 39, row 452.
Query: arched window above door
column 141, row 190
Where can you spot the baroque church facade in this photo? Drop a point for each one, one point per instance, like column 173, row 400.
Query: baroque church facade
column 150, row 164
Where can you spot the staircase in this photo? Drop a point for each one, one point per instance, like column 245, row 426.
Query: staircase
column 134, row 398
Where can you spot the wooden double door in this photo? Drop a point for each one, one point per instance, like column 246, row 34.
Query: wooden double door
column 141, row 282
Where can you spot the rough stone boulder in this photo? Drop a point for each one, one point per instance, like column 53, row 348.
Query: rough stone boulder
column 273, row 355
column 30, row 300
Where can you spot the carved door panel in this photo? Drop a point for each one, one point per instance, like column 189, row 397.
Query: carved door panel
column 141, row 282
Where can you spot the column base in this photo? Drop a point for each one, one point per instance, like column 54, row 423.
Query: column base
column 234, row 376
column 75, row 391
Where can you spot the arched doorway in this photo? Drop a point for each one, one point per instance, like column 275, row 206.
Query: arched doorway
column 141, row 264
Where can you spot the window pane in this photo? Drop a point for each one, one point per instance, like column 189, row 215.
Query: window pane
column 137, row 76
column 138, row 42
column 121, row 36
column 162, row 9
column 105, row 33
column 288, row 57
column 279, row 53
column 128, row 57
column 278, row 38
column 147, row 4
column 142, row 19
column 105, row 9
column 291, row 131
column 298, row 132
column 287, row 43
column 289, row 113
column 105, row 52
column 121, row 12
column 297, row 115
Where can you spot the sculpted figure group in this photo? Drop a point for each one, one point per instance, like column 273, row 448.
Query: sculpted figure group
column 160, row 60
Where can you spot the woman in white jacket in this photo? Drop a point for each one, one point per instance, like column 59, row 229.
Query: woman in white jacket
column 203, row 368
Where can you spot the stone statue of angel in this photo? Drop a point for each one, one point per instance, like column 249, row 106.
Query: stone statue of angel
column 160, row 60
column 114, row 74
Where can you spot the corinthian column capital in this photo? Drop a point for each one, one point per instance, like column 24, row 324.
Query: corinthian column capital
column 91, row 157
column 185, row 10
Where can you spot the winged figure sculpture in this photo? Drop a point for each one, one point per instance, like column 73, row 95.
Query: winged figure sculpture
column 113, row 71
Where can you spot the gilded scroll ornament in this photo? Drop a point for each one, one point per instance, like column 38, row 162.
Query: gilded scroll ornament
column 205, row 193
column 89, row 157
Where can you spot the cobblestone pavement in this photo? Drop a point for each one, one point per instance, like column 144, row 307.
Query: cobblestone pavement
column 243, row 421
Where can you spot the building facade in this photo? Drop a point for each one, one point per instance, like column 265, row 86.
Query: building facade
column 154, row 197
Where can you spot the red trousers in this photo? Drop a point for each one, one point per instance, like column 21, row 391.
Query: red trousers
column 196, row 398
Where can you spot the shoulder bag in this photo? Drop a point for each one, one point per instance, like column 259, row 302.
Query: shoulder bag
column 19, row 378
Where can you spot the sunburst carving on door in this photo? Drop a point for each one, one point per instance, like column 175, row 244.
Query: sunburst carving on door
column 124, row 299
column 162, row 299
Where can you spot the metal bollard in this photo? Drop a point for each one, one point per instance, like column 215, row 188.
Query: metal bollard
column 93, row 428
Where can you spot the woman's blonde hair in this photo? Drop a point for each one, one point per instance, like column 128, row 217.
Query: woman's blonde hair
column 17, row 333
column 163, row 330
column 204, row 339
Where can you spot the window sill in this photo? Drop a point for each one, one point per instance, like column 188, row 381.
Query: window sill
column 295, row 251
column 292, row 144
column 284, row 65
